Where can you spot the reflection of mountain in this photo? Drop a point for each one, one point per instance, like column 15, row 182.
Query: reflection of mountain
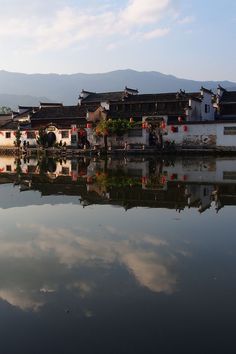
column 173, row 184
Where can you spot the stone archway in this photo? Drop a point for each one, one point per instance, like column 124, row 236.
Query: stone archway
column 51, row 139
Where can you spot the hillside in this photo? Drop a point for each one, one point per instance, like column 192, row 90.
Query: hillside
column 17, row 88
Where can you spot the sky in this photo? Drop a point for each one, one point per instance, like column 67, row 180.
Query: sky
column 192, row 39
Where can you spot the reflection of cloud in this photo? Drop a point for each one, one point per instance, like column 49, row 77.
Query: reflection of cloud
column 149, row 259
column 20, row 298
column 149, row 273
column 83, row 287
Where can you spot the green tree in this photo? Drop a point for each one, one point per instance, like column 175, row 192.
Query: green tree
column 18, row 134
column 5, row 110
column 111, row 127
column 41, row 137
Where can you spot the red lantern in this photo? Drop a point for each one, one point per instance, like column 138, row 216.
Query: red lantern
column 144, row 125
column 89, row 180
column 74, row 176
column 163, row 180
column 144, row 180
column 185, row 128
column 173, row 176
column 89, row 125
column 172, row 128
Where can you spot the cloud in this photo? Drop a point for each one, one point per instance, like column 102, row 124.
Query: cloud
column 157, row 33
column 68, row 25
column 186, row 20
column 144, row 12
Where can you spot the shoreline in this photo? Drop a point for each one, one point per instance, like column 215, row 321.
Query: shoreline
column 29, row 152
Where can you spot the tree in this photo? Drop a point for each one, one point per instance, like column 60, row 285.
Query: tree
column 18, row 134
column 111, row 127
column 5, row 110
column 41, row 140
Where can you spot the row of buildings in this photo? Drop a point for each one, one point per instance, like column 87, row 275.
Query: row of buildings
column 187, row 119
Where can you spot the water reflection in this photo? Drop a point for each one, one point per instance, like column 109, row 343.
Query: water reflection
column 171, row 183
column 138, row 278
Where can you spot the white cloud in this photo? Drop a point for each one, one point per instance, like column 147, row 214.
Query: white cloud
column 186, row 20
column 144, row 11
column 157, row 33
column 67, row 25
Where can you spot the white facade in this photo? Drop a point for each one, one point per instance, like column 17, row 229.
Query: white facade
column 207, row 108
column 201, row 109
column 212, row 135
column 7, row 138
column 30, row 137
column 125, row 140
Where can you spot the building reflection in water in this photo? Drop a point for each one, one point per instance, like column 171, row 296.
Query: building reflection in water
column 174, row 183
column 87, row 277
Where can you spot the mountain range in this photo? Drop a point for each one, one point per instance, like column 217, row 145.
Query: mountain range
column 30, row 89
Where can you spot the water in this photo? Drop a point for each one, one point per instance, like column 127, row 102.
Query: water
column 118, row 256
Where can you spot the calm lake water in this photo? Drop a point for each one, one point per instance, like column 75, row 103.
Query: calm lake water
column 126, row 255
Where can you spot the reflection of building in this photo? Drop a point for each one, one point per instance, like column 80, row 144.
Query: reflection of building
column 175, row 184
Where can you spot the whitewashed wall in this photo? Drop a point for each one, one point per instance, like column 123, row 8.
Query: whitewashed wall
column 195, row 111
column 207, row 100
column 226, row 141
column 7, row 164
column 116, row 141
column 196, row 135
column 7, row 142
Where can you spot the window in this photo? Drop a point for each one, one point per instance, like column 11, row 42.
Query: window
column 65, row 134
column 8, row 168
column 136, row 132
column 8, row 135
column 31, row 135
column 73, row 139
column 230, row 130
column 134, row 172
column 74, row 165
column 229, row 175
column 32, row 168
column 207, row 108
column 65, row 171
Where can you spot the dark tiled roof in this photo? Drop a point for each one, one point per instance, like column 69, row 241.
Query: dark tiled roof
column 9, row 125
column 206, row 90
column 104, row 97
column 50, row 104
column 60, row 112
column 228, row 96
column 163, row 97
column 5, row 116
column 27, row 108
column 5, row 119
column 131, row 89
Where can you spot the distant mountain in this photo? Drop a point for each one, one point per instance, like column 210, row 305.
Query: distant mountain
column 13, row 101
column 66, row 88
